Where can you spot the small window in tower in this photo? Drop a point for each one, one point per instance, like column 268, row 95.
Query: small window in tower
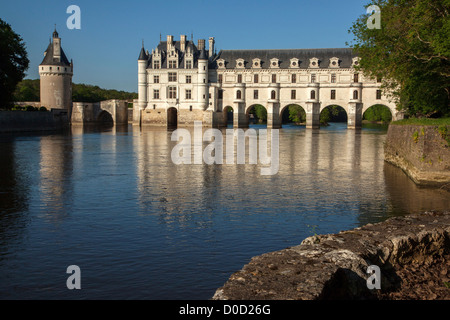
column 273, row 94
column 333, row 78
column 274, row 78
column 239, row 79
column 313, row 94
column 255, row 94
column 294, row 78
column 355, row 94
column 313, row 78
column 256, row 79
column 156, row 64
column 220, row 79
column 293, row 94
column 188, row 64
column 238, row 94
column 355, row 78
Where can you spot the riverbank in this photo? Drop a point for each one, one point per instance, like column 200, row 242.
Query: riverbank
column 412, row 253
column 421, row 149
column 33, row 121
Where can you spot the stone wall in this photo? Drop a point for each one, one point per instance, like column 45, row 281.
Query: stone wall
column 421, row 151
column 335, row 266
column 29, row 121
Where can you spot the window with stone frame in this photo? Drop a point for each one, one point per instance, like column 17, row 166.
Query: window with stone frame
column 172, row 76
column 155, row 79
column 293, row 94
column 172, row 64
column 188, row 79
column 239, row 78
column 313, row 78
column 333, row 95
column 188, row 94
column 255, row 94
column 274, row 78
column 256, row 78
column 156, row 94
column 172, row 92
column 156, row 64
column 188, row 64
column 333, row 78
column 294, row 78
column 378, row 96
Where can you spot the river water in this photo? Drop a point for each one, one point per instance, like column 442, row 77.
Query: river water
column 112, row 202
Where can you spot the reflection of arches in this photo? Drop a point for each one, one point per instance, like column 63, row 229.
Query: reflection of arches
column 293, row 113
column 378, row 112
column 105, row 117
column 172, row 115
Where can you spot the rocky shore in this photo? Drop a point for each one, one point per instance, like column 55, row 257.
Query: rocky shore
column 412, row 253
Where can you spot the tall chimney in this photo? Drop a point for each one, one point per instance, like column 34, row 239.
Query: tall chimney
column 211, row 46
column 182, row 43
column 169, row 42
column 201, row 44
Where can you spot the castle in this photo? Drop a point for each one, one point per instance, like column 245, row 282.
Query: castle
column 55, row 72
column 180, row 82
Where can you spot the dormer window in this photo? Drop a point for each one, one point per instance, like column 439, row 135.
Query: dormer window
column 256, row 63
column 274, row 63
column 172, row 64
column 334, row 62
column 240, row 63
column 355, row 61
column 156, row 64
column 313, row 63
column 294, row 63
column 221, row 63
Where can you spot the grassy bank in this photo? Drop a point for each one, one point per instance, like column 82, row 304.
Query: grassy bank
column 423, row 122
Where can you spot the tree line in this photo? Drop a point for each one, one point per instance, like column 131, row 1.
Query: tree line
column 29, row 90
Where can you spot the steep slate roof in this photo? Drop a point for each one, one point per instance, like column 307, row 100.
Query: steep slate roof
column 49, row 61
column 162, row 47
column 284, row 56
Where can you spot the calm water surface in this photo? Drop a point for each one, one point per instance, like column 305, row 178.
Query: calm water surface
column 139, row 227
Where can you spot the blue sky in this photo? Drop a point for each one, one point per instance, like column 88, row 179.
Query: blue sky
column 106, row 48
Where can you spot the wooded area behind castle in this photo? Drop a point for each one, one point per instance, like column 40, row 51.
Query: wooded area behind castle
column 28, row 90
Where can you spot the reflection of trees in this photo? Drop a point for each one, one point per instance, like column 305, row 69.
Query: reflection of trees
column 14, row 190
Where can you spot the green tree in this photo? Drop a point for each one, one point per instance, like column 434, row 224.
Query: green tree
column 260, row 113
column 13, row 63
column 296, row 113
column 410, row 53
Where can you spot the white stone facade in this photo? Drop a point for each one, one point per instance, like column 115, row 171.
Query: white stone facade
column 180, row 83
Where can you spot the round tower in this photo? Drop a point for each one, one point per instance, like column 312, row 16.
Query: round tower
column 142, row 78
column 55, row 73
column 203, row 95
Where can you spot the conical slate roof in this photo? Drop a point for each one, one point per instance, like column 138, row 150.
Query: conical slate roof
column 49, row 60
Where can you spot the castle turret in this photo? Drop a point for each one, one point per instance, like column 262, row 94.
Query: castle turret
column 203, row 78
column 55, row 73
column 142, row 78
